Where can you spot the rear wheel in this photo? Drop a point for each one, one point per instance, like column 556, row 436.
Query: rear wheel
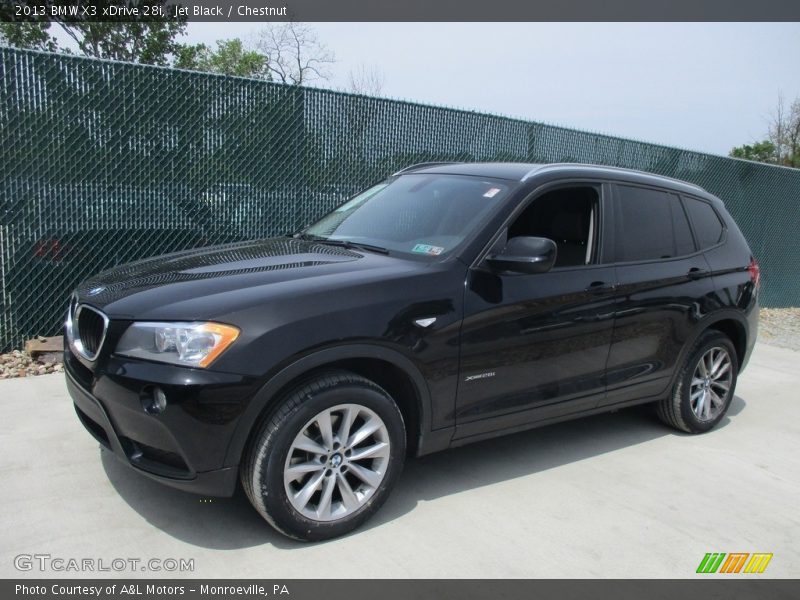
column 327, row 458
column 705, row 386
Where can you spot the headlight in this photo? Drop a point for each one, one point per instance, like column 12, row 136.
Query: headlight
column 189, row 344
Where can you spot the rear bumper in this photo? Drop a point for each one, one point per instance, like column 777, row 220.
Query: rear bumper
column 151, row 445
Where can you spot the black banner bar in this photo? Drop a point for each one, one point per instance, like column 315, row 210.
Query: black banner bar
column 444, row 589
column 401, row 10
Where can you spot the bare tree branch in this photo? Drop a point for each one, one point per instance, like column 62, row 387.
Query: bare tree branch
column 296, row 55
column 793, row 134
column 776, row 127
column 784, row 131
column 367, row 80
column 70, row 32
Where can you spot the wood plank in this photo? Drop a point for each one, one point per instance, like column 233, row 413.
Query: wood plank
column 44, row 344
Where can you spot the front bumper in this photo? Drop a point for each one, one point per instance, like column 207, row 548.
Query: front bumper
column 185, row 446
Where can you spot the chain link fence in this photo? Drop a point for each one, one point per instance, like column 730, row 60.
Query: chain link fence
column 104, row 163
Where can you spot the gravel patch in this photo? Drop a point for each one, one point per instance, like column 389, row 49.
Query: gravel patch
column 780, row 327
column 21, row 364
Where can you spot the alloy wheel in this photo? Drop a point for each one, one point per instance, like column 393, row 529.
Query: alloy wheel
column 711, row 384
column 336, row 462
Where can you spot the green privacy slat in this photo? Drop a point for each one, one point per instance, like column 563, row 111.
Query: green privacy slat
column 103, row 163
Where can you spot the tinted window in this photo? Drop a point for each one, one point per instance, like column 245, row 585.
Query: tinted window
column 650, row 225
column 567, row 216
column 706, row 222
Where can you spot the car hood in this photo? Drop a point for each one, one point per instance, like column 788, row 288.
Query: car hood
column 198, row 284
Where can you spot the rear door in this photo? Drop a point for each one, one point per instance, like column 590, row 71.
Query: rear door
column 662, row 283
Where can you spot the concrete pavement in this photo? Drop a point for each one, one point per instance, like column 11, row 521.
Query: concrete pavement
column 616, row 495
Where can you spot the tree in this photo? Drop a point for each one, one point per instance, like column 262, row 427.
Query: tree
column 230, row 58
column 782, row 146
column 367, row 80
column 296, row 55
column 784, row 132
column 33, row 36
column 149, row 40
column 288, row 52
column 151, row 43
column 763, row 151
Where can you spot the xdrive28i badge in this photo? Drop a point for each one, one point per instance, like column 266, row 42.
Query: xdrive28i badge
column 480, row 376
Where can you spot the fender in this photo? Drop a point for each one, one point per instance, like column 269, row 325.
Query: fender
column 264, row 399
column 703, row 325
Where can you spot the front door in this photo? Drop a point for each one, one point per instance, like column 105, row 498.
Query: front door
column 535, row 346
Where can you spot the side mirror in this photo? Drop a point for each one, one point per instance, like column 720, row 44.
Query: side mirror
column 524, row 255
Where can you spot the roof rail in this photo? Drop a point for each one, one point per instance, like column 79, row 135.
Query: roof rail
column 549, row 166
column 416, row 166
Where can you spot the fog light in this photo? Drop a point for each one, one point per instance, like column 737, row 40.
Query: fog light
column 154, row 401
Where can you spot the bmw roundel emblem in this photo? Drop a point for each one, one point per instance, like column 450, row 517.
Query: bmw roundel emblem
column 95, row 291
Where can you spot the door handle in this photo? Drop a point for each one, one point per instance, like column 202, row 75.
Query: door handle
column 697, row 273
column 601, row 287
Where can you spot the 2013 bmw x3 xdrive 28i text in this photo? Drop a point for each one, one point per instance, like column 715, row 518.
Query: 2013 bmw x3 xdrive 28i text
column 447, row 304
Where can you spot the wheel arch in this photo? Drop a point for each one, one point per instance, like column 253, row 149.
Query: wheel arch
column 731, row 323
column 736, row 331
column 390, row 369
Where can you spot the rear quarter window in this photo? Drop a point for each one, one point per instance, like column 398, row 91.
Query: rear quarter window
column 650, row 225
column 707, row 226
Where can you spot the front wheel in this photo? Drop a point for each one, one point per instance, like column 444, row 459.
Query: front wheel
column 705, row 386
column 327, row 458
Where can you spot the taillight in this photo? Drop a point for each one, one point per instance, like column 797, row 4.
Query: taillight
column 755, row 272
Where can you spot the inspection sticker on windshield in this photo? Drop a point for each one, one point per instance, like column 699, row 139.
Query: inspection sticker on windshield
column 426, row 249
column 491, row 192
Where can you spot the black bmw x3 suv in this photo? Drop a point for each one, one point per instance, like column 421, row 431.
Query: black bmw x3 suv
column 447, row 304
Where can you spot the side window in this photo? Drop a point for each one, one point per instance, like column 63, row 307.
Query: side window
column 569, row 217
column 650, row 224
column 706, row 223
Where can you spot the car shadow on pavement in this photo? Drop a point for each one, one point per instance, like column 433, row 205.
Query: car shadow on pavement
column 231, row 523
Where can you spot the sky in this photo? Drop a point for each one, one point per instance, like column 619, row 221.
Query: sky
column 701, row 86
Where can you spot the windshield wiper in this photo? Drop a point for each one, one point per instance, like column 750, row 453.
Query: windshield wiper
column 341, row 243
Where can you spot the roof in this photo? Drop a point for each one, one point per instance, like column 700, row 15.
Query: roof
column 525, row 171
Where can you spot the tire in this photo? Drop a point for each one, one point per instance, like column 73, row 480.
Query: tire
column 276, row 454
column 689, row 410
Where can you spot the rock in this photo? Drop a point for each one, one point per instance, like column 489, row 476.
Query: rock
column 50, row 357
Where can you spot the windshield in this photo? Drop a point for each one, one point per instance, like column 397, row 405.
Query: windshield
column 426, row 215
